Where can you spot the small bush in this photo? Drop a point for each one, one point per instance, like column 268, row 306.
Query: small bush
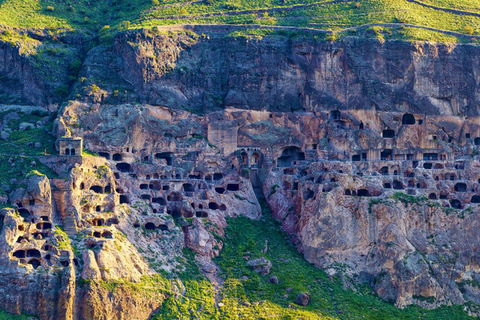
column 468, row 29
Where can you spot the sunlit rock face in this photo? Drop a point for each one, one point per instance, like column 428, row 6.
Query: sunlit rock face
column 365, row 152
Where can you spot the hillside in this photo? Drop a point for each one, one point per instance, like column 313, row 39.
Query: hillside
column 449, row 21
column 239, row 159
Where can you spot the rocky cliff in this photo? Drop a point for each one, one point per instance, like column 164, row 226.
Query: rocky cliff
column 207, row 69
column 365, row 152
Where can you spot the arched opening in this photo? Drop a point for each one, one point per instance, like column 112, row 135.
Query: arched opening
column 146, row 197
column 387, row 185
column 432, row 196
column 163, row 227
column 408, row 119
column 33, row 253
column 356, row 157
column 427, row 165
column 123, row 199
column 72, row 152
column 82, row 186
column 388, row 133
column 108, row 189
column 289, row 155
column 124, row 167
column 35, row 263
column 456, row 204
column 397, row 185
column 217, row 176
column 222, row 207
column 212, row 206
column 24, row 213
column 96, row 189
column 19, row 254
column 220, row 190
column 348, row 192
column 167, row 156
column 475, row 199
column 105, row 155
column 477, row 141
column 67, row 151
column 201, row 214
column 143, row 186
column 244, row 156
column 255, row 159
column 460, row 187
column 161, row 201
column 384, row 171
column 97, row 234
column 107, row 234
column 117, row 157
column 98, row 222
column 363, row 193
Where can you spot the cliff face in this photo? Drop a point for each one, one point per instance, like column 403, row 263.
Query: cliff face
column 278, row 73
column 375, row 174
column 18, row 82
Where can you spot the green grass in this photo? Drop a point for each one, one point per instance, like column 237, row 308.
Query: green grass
column 8, row 316
column 18, row 153
column 69, row 14
column 246, row 238
column 112, row 15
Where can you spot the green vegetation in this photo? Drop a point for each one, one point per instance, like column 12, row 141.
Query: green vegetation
column 19, row 151
column 406, row 198
column 62, row 239
column 8, row 316
column 350, row 18
column 247, row 295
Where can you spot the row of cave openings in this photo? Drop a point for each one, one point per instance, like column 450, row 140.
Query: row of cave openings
column 97, row 189
column 151, row 226
column 407, row 119
column 33, row 257
column 118, row 157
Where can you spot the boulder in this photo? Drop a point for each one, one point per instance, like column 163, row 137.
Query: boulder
column 261, row 265
column 302, row 299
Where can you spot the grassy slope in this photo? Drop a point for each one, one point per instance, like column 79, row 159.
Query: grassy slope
column 246, row 238
column 16, row 156
column 87, row 15
column 8, row 316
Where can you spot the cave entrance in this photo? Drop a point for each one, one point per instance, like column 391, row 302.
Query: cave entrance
column 456, row 204
column 289, row 155
column 388, row 133
column 124, row 167
column 460, row 187
column 167, row 156
column 408, row 119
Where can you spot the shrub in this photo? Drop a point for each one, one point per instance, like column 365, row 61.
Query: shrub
column 468, row 29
